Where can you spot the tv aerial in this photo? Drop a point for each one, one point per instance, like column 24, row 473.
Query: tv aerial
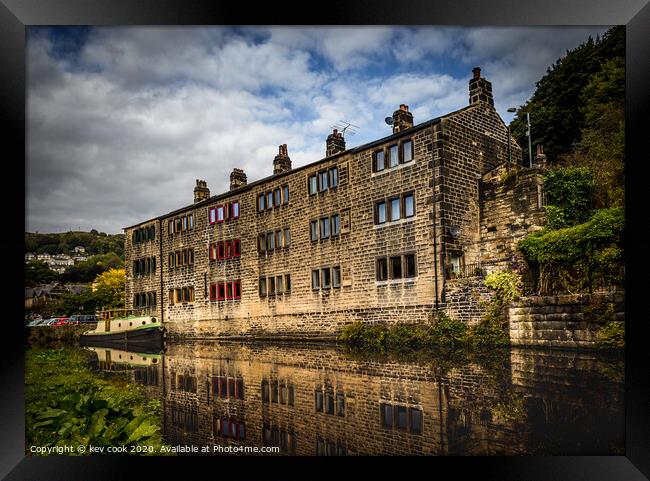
column 344, row 126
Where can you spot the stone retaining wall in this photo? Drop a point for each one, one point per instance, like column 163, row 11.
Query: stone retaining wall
column 465, row 299
column 564, row 321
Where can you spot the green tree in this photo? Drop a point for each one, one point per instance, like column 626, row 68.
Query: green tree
column 569, row 196
column 37, row 272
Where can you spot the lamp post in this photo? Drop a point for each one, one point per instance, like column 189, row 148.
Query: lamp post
column 511, row 110
column 530, row 143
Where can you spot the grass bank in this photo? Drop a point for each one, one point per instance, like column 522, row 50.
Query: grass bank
column 67, row 404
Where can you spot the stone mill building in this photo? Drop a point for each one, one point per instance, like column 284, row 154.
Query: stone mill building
column 386, row 231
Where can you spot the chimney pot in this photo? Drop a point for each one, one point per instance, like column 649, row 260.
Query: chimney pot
column 335, row 143
column 402, row 119
column 282, row 162
column 201, row 191
column 477, row 72
column 480, row 90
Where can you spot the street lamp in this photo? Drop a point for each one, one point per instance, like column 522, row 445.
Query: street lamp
column 530, row 146
column 511, row 110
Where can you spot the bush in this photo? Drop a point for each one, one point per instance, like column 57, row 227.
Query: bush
column 569, row 194
column 578, row 257
column 362, row 336
column 448, row 332
column 611, row 335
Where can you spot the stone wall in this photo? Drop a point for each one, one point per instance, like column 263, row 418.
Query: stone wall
column 465, row 298
column 563, row 321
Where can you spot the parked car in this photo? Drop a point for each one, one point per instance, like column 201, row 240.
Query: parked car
column 60, row 321
column 36, row 322
column 83, row 319
column 48, row 322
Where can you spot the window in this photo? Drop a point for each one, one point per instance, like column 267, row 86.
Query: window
column 262, row 286
column 261, row 243
column 220, row 213
column 270, row 241
column 324, row 228
column 235, row 209
column 313, row 230
column 322, row 181
column 336, row 225
column 213, row 292
column 277, row 200
column 312, row 185
column 213, row 215
column 415, row 420
column 269, row 200
column 315, row 279
column 221, row 250
column 380, row 215
column 228, row 249
column 287, row 237
column 229, row 290
column 285, row 194
column 271, row 284
column 318, row 401
column 278, row 239
column 382, row 269
column 170, row 227
column 333, row 177
column 409, row 205
column 329, row 402
column 407, row 151
column 393, row 156
column 396, row 267
column 386, row 415
column 326, row 278
column 221, row 291
column 261, row 202
column 336, row 276
column 287, row 283
column 191, row 217
column 378, row 161
column 265, row 391
column 409, row 265
column 184, row 223
column 401, row 417
column 394, row 209
column 237, row 289
column 236, row 248
column 340, row 404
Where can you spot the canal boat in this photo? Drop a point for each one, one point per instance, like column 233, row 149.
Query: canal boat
column 125, row 326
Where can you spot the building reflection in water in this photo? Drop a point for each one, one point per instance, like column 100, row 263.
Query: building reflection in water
column 318, row 400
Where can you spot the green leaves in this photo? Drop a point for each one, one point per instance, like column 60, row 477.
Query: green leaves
column 72, row 406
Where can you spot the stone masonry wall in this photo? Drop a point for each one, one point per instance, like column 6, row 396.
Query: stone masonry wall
column 564, row 321
column 465, row 298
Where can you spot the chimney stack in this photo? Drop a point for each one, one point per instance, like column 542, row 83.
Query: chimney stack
column 201, row 191
column 335, row 143
column 402, row 119
column 282, row 162
column 480, row 90
column 540, row 157
column 237, row 178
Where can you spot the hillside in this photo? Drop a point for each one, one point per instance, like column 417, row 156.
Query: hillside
column 64, row 243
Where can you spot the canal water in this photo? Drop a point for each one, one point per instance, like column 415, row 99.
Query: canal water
column 327, row 400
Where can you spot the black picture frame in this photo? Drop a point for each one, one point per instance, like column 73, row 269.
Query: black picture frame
column 15, row 15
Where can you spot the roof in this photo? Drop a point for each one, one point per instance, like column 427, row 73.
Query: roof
column 354, row 150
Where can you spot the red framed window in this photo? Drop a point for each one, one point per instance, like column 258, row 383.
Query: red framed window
column 221, row 291
column 213, row 252
column 236, row 286
column 229, row 290
column 229, row 250
column 220, row 213
column 235, row 209
column 236, row 249
column 213, row 292
column 227, row 211
column 212, row 215
column 220, row 250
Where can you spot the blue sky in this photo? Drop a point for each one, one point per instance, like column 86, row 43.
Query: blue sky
column 121, row 121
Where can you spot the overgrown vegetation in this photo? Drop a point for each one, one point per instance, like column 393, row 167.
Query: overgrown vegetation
column 68, row 405
column 578, row 257
column 611, row 335
column 569, row 196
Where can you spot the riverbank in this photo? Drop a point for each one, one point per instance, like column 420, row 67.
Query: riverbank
column 69, row 405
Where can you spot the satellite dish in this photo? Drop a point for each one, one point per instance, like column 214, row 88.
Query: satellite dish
column 389, row 120
column 454, row 231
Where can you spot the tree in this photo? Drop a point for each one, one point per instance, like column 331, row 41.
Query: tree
column 110, row 288
column 37, row 272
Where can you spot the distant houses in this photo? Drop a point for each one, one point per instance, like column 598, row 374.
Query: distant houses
column 58, row 262
column 45, row 293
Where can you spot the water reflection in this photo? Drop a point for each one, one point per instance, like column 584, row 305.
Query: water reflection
column 320, row 400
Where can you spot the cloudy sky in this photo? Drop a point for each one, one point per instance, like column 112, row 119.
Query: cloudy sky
column 121, row 121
